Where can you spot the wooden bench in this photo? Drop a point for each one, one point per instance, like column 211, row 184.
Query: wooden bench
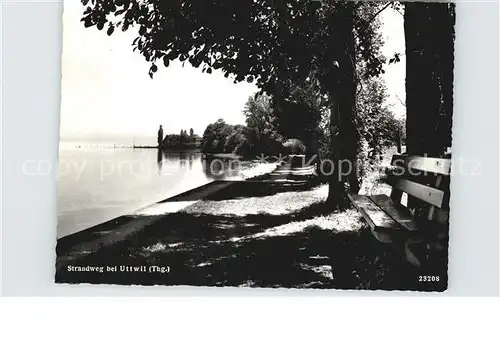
column 423, row 220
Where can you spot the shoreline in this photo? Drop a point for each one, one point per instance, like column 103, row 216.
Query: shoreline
column 116, row 229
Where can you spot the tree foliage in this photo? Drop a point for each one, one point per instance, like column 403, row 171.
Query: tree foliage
column 377, row 124
column 220, row 137
column 259, row 115
column 215, row 135
column 271, row 43
column 179, row 141
column 298, row 115
column 294, row 147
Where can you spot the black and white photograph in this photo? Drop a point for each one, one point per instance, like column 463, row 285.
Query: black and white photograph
column 295, row 144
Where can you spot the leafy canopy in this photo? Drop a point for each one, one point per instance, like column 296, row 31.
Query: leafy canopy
column 274, row 43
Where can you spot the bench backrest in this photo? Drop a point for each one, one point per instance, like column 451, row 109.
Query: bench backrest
column 422, row 178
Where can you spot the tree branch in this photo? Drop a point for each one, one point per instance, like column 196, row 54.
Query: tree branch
column 401, row 102
column 361, row 31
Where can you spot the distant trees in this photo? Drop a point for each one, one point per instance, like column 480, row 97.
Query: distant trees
column 299, row 114
column 181, row 140
column 262, row 129
column 254, row 139
column 237, row 141
column 183, row 137
column 259, row 114
column 159, row 138
column 298, row 123
column 294, row 147
column 215, row 135
column 377, row 125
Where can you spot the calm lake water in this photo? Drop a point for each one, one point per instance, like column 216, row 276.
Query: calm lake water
column 99, row 184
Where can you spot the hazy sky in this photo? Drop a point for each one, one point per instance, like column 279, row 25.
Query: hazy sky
column 108, row 95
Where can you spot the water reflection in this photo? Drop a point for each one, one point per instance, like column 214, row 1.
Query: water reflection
column 213, row 167
column 182, row 159
column 159, row 160
column 119, row 181
column 220, row 168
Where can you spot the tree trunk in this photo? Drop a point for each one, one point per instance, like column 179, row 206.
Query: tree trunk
column 420, row 91
column 444, row 22
column 336, row 191
column 429, row 34
column 349, row 133
column 398, row 141
column 343, row 132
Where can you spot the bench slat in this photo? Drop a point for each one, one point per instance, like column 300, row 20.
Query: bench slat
column 423, row 192
column 376, row 218
column 397, row 212
column 426, row 164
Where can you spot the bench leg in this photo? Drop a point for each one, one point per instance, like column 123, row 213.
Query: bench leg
column 403, row 248
column 385, row 238
column 410, row 255
column 409, row 249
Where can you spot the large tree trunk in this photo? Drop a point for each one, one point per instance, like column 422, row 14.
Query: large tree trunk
column 336, row 191
column 429, row 34
column 343, row 132
column 349, row 133
column 444, row 22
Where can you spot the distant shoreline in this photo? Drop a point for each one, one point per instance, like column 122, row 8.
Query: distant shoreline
column 223, row 156
column 85, row 146
column 144, row 147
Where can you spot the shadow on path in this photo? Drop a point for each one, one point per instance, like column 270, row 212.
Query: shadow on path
column 207, row 250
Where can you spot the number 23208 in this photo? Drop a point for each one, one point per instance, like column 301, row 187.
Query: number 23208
column 428, row 278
